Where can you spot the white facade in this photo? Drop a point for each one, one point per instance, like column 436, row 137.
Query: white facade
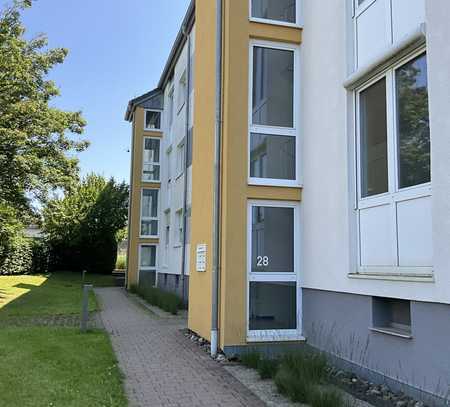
column 175, row 169
column 332, row 237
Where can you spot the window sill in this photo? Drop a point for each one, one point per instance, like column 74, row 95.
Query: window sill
column 146, row 181
column 392, row 332
column 149, row 237
column 153, row 130
column 394, row 276
column 266, row 182
column 275, row 22
column 288, row 338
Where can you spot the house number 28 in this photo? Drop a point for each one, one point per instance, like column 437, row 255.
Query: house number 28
column 262, row 261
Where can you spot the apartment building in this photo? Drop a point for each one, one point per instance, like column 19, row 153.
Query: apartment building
column 305, row 198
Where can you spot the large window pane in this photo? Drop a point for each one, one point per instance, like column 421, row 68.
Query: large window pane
column 150, row 203
column 272, row 240
column 273, row 305
column 413, row 125
column 374, row 162
column 273, row 87
column 151, row 172
column 149, row 228
column 150, row 167
column 279, row 10
column 148, row 257
column 151, row 150
column 152, row 120
column 272, row 156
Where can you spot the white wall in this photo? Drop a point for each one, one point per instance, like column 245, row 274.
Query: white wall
column 329, row 233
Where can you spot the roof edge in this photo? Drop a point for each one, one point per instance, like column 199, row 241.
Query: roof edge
column 138, row 100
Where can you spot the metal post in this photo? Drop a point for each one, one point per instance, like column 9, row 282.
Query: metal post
column 85, row 307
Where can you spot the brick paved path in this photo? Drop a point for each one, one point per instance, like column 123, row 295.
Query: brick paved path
column 161, row 366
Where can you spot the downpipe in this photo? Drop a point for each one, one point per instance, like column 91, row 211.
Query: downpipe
column 217, row 186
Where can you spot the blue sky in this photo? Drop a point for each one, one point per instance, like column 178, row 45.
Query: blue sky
column 117, row 50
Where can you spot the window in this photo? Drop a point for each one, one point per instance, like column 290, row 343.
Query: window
column 275, row 11
column 167, row 239
column 374, row 162
column 391, row 316
column 181, row 153
column 151, row 168
column 179, row 225
column 394, row 190
column 152, row 120
column 147, row 265
column 273, row 302
column 273, row 132
column 149, row 213
column 147, row 257
column 171, row 107
column 190, row 140
column 182, row 88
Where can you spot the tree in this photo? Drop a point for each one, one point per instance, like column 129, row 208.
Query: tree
column 82, row 226
column 36, row 152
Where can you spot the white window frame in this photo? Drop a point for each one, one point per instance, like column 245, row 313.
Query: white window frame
column 274, row 335
column 167, row 231
column 297, row 24
column 170, row 107
column 151, row 268
column 182, row 92
column 149, row 218
column 160, row 120
column 275, row 130
column 178, row 242
column 181, row 159
column 395, row 194
column 154, row 163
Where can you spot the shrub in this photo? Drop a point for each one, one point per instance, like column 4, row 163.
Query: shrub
column 169, row 302
column 121, row 263
column 40, row 256
column 18, row 258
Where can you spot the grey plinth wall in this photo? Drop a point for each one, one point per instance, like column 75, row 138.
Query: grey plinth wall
column 339, row 324
column 172, row 283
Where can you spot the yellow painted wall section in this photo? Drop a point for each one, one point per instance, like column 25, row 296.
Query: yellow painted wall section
column 136, row 186
column 200, row 284
column 238, row 31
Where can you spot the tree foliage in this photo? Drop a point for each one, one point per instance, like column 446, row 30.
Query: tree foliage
column 82, row 227
column 36, row 152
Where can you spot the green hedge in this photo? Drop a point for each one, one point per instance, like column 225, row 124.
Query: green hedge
column 24, row 256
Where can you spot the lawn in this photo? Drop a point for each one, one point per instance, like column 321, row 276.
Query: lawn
column 58, row 367
column 50, row 365
column 55, row 294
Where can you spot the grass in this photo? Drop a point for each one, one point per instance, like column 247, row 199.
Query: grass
column 41, row 295
column 300, row 376
column 48, row 365
column 121, row 263
column 58, row 367
column 169, row 302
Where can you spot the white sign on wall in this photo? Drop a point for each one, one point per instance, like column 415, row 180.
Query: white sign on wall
column 201, row 257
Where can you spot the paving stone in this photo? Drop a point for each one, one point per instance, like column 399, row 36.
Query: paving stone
column 162, row 367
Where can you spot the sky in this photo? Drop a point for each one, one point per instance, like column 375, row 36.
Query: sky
column 117, row 51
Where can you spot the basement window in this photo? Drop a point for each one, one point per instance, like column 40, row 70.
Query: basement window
column 392, row 316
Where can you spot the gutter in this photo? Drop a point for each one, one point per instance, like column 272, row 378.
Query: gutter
column 185, row 186
column 217, row 185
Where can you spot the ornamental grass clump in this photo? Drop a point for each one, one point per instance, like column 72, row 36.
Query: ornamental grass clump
column 168, row 302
